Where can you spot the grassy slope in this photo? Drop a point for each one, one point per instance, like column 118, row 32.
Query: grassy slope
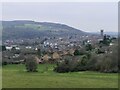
column 0, row 77
column 33, row 26
column 15, row 76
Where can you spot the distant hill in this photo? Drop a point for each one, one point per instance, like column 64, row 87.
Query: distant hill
column 31, row 29
column 108, row 33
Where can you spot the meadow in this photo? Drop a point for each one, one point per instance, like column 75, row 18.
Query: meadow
column 15, row 76
column 0, row 77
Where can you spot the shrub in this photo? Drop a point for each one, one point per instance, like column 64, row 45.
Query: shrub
column 89, row 47
column 4, row 63
column 107, row 62
column 100, row 51
column 77, row 52
column 31, row 64
column 88, row 54
column 71, row 65
column 3, row 48
column 104, row 63
column 62, row 67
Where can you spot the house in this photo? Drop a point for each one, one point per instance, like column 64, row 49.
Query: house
column 38, row 60
column 8, row 48
column 64, row 52
column 55, row 56
column 71, row 52
column 16, row 56
column 28, row 47
column 46, row 57
column 111, row 44
column 17, row 48
column 36, row 49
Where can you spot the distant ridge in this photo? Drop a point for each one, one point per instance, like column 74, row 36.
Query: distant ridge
column 30, row 29
column 108, row 33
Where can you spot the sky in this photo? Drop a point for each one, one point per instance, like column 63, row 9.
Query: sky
column 86, row 16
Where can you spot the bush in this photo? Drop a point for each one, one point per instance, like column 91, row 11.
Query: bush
column 92, row 62
column 62, row 67
column 71, row 65
column 31, row 64
column 4, row 63
column 3, row 48
column 107, row 62
column 81, row 64
column 112, row 60
column 89, row 47
column 100, row 51
column 79, row 52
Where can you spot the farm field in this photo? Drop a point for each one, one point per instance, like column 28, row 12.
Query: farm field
column 15, row 76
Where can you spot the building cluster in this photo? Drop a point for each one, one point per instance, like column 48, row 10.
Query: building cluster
column 47, row 48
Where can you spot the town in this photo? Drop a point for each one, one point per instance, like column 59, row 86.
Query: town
column 59, row 44
column 52, row 49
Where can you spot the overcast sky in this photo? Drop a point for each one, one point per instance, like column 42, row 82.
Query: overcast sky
column 86, row 16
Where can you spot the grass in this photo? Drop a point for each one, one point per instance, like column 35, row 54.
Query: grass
column 15, row 76
column 0, row 77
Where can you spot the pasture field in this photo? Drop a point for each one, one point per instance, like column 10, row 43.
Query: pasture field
column 15, row 76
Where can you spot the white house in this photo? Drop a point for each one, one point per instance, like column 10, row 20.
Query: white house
column 8, row 47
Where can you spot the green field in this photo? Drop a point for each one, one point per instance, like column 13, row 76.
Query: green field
column 0, row 77
column 15, row 76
